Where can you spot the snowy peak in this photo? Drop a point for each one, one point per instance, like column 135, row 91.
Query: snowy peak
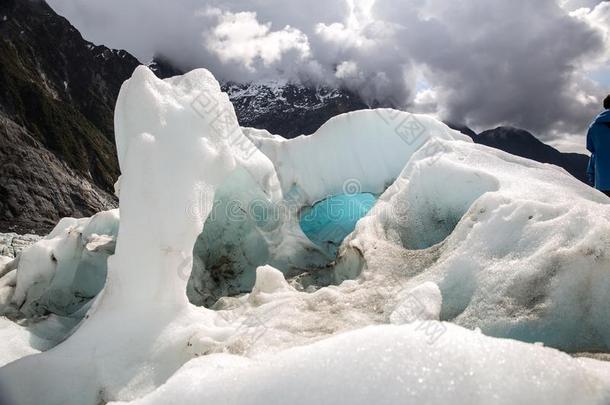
column 163, row 68
column 288, row 109
column 279, row 106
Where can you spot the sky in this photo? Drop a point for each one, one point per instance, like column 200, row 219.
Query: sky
column 542, row 65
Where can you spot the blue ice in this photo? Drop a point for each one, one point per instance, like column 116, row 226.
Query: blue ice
column 329, row 221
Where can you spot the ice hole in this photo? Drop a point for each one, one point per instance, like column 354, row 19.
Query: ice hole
column 329, row 221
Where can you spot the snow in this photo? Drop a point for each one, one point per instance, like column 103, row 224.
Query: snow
column 459, row 233
column 62, row 271
column 254, row 89
column 11, row 244
column 380, row 144
column 390, row 365
column 4, row 262
column 421, row 304
column 16, row 342
column 517, row 248
column 267, row 96
column 269, row 281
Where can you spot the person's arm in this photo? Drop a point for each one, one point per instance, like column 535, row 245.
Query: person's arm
column 590, row 141
column 591, row 170
column 591, row 148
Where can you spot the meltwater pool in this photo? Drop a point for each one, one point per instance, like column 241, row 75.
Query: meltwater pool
column 329, row 221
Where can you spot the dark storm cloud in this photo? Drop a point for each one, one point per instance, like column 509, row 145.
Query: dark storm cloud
column 486, row 62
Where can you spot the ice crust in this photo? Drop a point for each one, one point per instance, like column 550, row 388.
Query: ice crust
column 460, row 233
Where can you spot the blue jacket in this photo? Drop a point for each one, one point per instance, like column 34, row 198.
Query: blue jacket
column 598, row 143
column 591, row 170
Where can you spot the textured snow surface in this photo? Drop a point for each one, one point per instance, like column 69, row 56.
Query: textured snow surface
column 461, row 234
column 391, row 365
column 63, row 271
column 520, row 249
column 16, row 342
column 11, row 244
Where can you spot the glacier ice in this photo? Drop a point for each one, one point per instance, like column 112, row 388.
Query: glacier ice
column 18, row 342
column 329, row 221
column 390, row 365
column 461, row 237
column 512, row 255
column 66, row 265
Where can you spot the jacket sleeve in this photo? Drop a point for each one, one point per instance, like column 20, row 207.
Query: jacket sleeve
column 591, row 140
column 591, row 148
column 591, row 170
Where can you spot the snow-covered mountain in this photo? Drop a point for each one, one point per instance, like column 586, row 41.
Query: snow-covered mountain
column 288, row 109
column 278, row 106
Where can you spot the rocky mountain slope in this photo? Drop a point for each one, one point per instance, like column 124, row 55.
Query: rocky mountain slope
column 57, row 95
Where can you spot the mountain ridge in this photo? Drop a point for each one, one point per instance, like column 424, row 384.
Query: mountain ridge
column 57, row 96
column 523, row 143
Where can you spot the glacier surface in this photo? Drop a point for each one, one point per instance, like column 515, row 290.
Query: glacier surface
column 470, row 263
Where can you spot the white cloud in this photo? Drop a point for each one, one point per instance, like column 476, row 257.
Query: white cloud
column 347, row 70
column 572, row 5
column 241, row 38
column 598, row 18
column 426, row 101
